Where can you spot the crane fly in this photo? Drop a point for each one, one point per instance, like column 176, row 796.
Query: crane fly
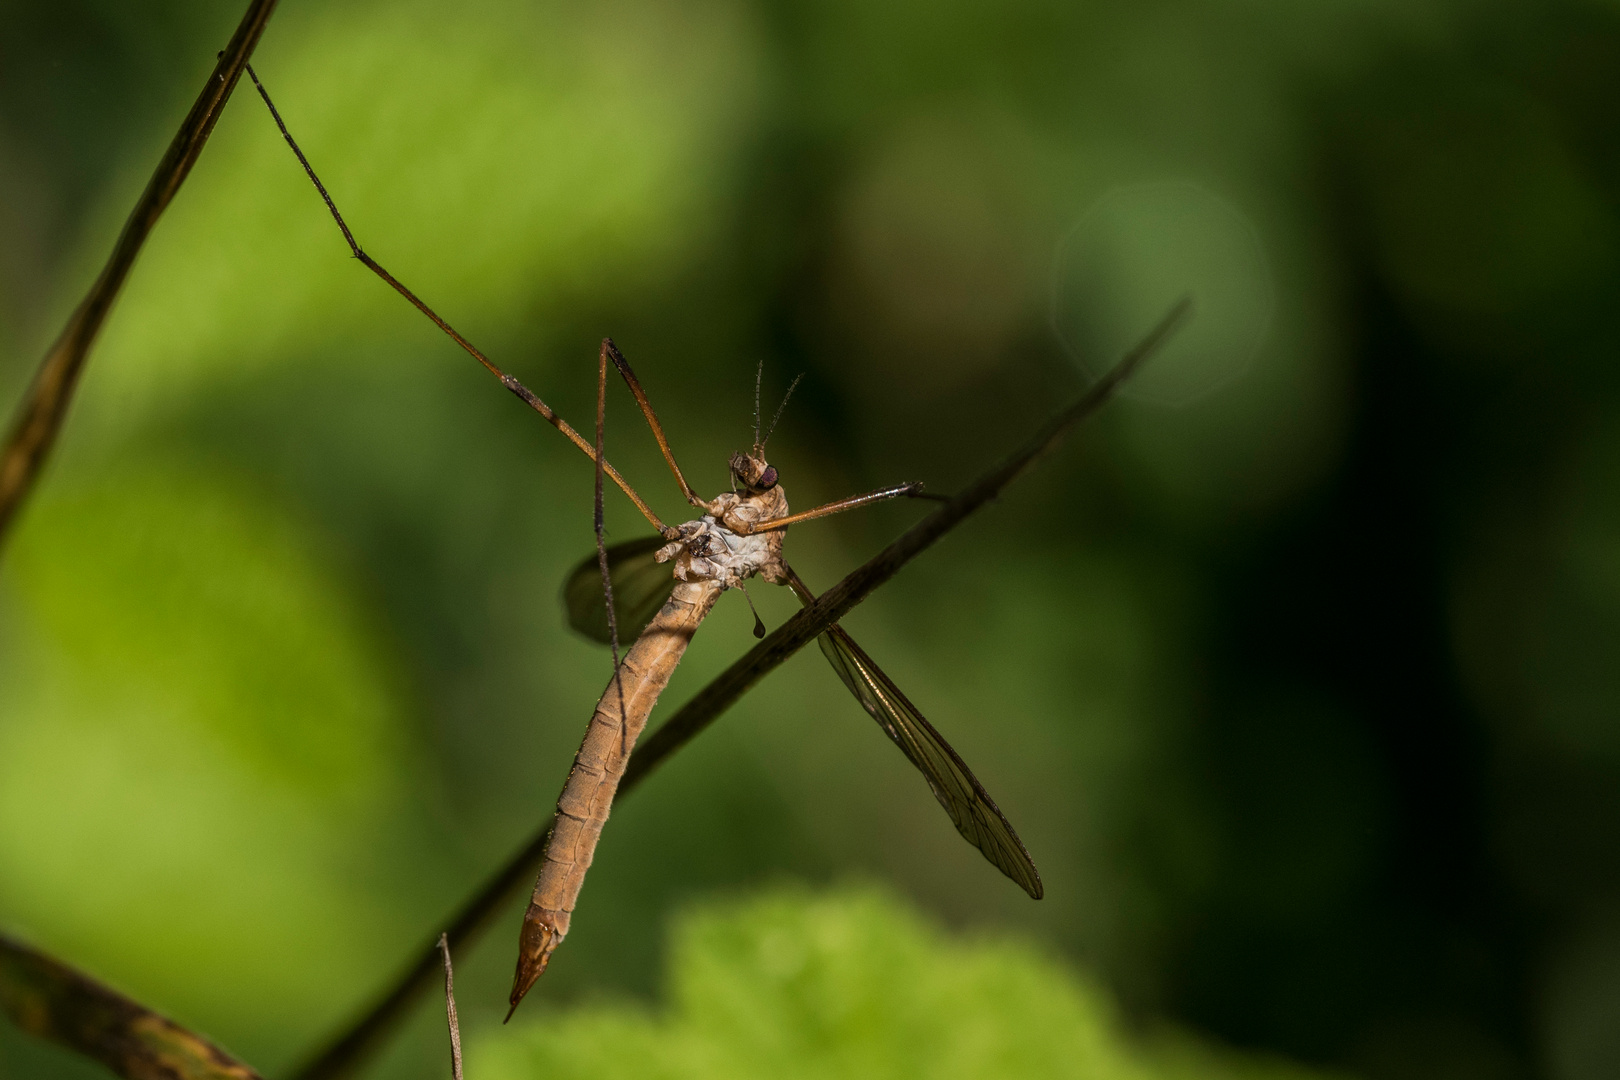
column 739, row 536
column 657, row 590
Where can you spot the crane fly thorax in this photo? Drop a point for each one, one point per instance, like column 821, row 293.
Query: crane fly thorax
column 719, row 547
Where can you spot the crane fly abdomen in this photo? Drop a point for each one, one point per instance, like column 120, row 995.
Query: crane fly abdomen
column 587, row 795
column 709, row 557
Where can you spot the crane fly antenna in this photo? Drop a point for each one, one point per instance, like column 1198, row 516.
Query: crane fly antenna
column 759, row 374
column 772, row 429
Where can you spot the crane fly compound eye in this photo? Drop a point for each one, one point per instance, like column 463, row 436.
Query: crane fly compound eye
column 752, row 472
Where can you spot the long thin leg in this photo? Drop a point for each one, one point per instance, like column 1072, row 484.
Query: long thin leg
column 800, row 589
column 631, row 381
column 913, row 491
column 510, row 382
column 601, row 542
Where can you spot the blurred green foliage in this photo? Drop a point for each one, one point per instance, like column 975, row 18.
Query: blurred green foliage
column 1301, row 691
column 851, row 984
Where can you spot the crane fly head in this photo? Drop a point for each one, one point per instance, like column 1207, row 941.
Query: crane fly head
column 752, row 472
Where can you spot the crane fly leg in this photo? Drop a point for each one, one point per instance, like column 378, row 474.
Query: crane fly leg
column 911, row 491
column 523, row 393
column 611, row 352
column 601, row 542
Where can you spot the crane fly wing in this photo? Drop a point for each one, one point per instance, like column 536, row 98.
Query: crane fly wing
column 972, row 811
column 640, row 587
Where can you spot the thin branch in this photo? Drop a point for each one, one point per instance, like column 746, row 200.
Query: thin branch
column 45, row 405
column 47, row 998
column 344, row 1054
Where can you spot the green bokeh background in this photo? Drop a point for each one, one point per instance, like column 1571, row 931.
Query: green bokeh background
column 1298, row 670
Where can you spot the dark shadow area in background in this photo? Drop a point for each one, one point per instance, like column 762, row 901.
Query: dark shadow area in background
column 1362, row 792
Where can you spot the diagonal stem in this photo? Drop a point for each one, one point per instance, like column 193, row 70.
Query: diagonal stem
column 47, row 998
column 45, row 404
column 345, row 1053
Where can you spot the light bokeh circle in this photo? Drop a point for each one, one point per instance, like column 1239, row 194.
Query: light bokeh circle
column 1137, row 251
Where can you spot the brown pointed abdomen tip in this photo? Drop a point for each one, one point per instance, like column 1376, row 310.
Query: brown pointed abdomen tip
column 528, row 970
column 535, row 946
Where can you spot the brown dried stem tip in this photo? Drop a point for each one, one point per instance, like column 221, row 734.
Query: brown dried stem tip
column 47, row 998
column 450, row 1009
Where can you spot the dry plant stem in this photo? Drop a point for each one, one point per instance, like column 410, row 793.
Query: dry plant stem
column 47, row 998
column 450, row 1009
column 345, row 1053
column 45, row 404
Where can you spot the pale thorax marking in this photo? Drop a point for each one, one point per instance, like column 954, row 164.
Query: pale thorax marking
column 711, row 548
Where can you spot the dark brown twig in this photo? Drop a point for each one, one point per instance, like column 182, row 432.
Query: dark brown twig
column 341, row 1056
column 47, row 998
column 45, row 404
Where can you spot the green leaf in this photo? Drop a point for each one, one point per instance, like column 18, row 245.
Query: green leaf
column 853, row 985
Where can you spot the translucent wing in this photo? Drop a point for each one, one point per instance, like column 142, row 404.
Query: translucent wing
column 640, row 587
column 972, row 811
